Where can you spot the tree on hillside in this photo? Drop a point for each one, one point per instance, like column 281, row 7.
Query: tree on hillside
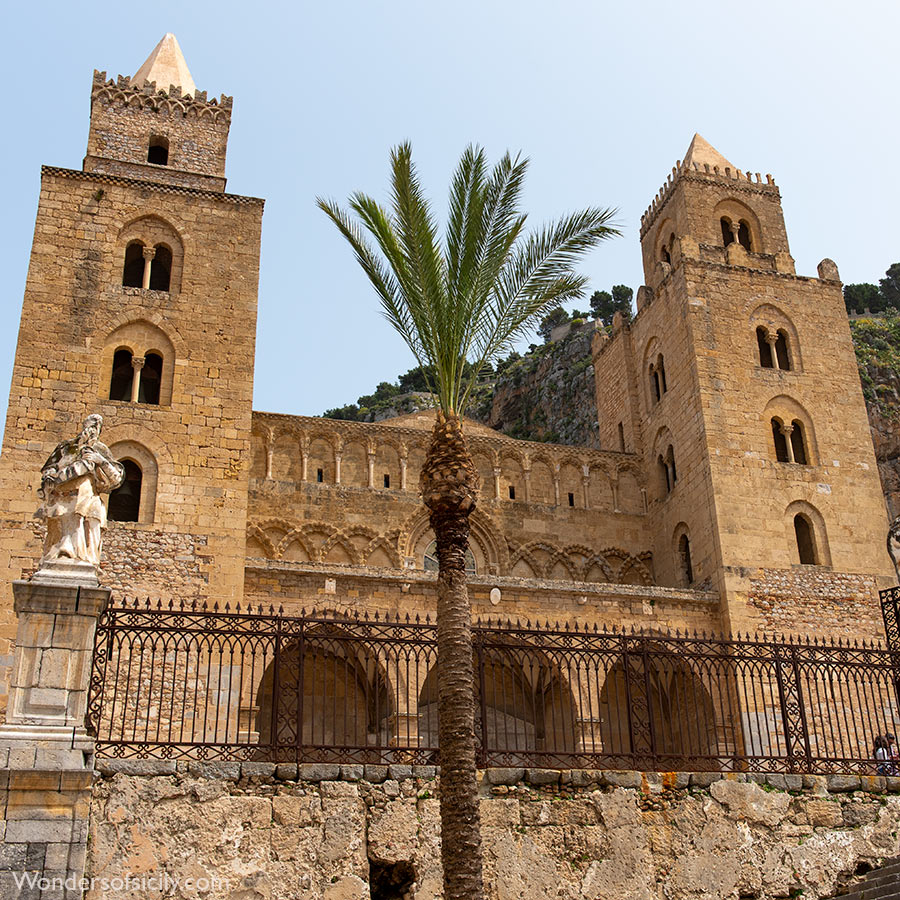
column 467, row 297
column 605, row 305
column 553, row 319
column 622, row 295
column 890, row 286
column 860, row 297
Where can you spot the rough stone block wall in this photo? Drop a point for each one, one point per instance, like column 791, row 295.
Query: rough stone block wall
column 124, row 117
column 259, row 830
column 809, row 600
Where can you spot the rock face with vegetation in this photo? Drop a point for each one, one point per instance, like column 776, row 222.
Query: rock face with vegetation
column 877, row 345
column 546, row 395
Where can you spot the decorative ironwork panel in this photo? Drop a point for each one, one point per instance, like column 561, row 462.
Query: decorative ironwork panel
column 190, row 682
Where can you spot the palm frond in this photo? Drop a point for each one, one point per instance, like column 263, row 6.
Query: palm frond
column 473, row 296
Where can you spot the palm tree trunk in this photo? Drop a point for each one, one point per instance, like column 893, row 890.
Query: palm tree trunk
column 449, row 485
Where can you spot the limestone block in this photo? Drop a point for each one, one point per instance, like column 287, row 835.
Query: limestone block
column 348, row 887
column 750, row 802
column 393, row 833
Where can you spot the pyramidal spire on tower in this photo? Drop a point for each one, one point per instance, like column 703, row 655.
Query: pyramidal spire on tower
column 166, row 66
column 704, row 154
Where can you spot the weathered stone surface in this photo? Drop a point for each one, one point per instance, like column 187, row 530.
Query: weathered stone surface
column 316, row 839
column 750, row 803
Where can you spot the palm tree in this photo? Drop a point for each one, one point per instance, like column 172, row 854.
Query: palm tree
column 466, row 299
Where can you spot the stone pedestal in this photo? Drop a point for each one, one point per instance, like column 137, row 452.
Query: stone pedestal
column 46, row 756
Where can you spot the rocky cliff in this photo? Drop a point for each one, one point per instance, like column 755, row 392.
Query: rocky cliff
column 877, row 345
column 547, row 395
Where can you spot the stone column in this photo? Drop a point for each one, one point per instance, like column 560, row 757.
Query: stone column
column 403, row 463
column 496, row 484
column 149, row 253
column 371, row 460
column 786, row 430
column 771, row 340
column 526, row 472
column 556, row 468
column 586, row 485
column 137, row 363
column 304, row 458
column 614, row 487
column 46, row 755
column 337, row 468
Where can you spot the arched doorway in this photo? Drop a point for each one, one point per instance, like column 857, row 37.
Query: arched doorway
column 655, row 712
column 325, row 698
column 527, row 716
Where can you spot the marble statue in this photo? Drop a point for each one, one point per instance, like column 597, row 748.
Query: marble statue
column 76, row 473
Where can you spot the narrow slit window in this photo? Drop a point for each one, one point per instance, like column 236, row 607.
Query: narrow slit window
column 765, row 349
column 798, row 444
column 320, row 476
column 512, row 492
column 151, row 379
column 727, row 235
column 622, row 437
column 161, row 269
column 684, row 549
column 806, row 545
column 122, row 375
column 781, row 446
column 781, row 351
column 664, row 476
column 133, row 271
column 387, row 480
column 571, row 499
column 125, row 500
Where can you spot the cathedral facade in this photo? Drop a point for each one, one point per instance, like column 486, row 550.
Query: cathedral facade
column 736, row 489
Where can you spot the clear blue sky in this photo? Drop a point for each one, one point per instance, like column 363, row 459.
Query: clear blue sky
column 603, row 97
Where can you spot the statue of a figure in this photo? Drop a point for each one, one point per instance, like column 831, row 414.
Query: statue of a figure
column 893, row 543
column 73, row 478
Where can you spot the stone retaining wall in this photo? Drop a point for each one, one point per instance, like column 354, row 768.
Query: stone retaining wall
column 254, row 831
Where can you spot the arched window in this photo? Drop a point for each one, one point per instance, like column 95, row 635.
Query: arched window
column 133, row 271
column 765, row 348
column 151, row 379
column 806, row 544
column 161, row 268
column 727, row 234
column 158, row 151
column 798, row 445
column 663, row 469
column 781, row 443
column 655, row 391
column 122, row 375
column 744, row 235
column 661, row 369
column 125, row 500
column 781, row 351
column 684, row 551
column 668, row 475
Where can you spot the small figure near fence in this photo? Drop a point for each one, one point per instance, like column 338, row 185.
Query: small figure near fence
column 76, row 473
column 885, row 753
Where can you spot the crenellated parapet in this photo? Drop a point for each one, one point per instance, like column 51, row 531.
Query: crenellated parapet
column 124, row 92
column 734, row 179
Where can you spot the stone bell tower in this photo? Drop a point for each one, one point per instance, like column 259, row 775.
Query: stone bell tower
column 737, row 382
column 140, row 304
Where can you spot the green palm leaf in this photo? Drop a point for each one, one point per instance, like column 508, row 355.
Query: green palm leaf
column 469, row 297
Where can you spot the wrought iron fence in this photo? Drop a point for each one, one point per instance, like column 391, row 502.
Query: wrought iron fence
column 198, row 683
